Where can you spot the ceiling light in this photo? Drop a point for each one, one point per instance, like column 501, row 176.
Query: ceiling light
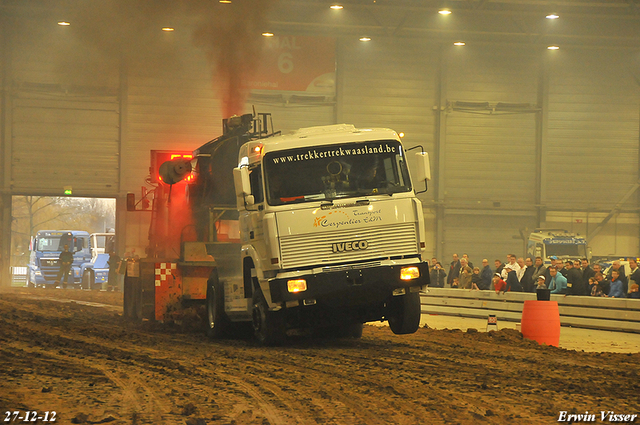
column 267, row 34
column 459, row 43
column 225, row 1
column 365, row 39
column 64, row 24
column 336, row 7
column 552, row 16
column 553, row 48
column 167, row 29
column 444, row 12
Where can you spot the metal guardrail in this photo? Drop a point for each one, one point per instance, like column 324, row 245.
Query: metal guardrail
column 18, row 276
column 620, row 314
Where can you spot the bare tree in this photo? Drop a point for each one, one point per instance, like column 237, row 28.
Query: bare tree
column 33, row 213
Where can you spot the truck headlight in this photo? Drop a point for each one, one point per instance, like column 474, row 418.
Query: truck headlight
column 297, row 285
column 409, row 273
column 38, row 273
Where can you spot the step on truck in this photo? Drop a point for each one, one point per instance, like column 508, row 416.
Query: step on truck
column 46, row 247
column 318, row 230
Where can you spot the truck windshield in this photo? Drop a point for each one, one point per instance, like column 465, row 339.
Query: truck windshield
column 336, row 171
column 49, row 244
column 566, row 250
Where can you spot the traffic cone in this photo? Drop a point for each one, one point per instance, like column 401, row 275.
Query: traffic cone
column 492, row 323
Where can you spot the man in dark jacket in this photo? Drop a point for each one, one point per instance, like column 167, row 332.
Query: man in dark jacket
column 603, row 284
column 635, row 272
column 560, row 267
column 547, row 272
column 499, row 266
column 114, row 264
column 526, row 281
column 454, row 269
column 574, row 279
column 587, row 272
column 513, row 285
column 539, row 269
column 65, row 261
column 486, row 274
column 437, row 276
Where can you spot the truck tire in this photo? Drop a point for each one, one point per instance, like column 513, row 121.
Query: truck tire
column 132, row 299
column 86, row 282
column 404, row 313
column 268, row 326
column 217, row 320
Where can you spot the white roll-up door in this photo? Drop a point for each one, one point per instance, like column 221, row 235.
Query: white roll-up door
column 592, row 149
column 490, row 128
column 64, row 140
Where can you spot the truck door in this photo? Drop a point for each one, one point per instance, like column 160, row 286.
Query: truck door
column 256, row 213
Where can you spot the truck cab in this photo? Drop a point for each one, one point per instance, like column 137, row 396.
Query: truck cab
column 559, row 243
column 331, row 231
column 46, row 247
column 94, row 274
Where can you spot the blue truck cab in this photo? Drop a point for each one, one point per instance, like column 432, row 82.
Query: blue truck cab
column 46, row 247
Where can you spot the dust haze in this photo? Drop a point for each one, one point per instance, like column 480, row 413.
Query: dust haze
column 129, row 32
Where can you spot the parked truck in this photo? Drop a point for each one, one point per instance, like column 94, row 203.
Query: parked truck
column 95, row 273
column 320, row 229
column 559, row 243
column 46, row 247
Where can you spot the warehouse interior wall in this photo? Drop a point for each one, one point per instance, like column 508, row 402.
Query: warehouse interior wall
column 519, row 137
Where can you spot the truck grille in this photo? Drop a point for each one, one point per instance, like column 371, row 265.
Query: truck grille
column 317, row 250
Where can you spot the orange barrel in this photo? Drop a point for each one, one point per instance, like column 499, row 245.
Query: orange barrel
column 541, row 322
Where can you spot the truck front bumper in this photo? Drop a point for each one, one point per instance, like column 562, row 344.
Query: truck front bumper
column 353, row 286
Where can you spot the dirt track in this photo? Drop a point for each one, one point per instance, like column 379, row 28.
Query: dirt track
column 90, row 366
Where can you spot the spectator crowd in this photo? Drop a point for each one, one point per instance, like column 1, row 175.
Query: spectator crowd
column 569, row 277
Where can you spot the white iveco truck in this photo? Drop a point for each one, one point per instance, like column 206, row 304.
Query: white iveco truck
column 323, row 231
column 331, row 231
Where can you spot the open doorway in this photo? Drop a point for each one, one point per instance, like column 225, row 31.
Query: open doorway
column 42, row 225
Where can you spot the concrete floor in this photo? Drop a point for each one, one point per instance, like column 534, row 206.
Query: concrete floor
column 570, row 338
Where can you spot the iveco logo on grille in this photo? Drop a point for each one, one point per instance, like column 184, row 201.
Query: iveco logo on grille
column 349, row 246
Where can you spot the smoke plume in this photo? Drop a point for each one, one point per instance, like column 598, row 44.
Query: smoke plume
column 128, row 31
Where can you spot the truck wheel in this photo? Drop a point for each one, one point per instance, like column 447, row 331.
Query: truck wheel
column 86, row 282
column 217, row 320
column 268, row 326
column 404, row 313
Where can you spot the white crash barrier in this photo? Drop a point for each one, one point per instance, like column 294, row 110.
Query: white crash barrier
column 577, row 311
column 19, row 274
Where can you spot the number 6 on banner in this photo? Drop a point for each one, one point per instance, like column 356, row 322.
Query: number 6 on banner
column 285, row 63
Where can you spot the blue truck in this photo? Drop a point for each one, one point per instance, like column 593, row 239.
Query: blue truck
column 46, row 247
column 95, row 274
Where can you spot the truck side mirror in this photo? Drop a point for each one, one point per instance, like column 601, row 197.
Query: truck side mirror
column 424, row 167
column 243, row 187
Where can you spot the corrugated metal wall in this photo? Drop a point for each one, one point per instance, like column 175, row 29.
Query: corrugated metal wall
column 490, row 153
column 390, row 83
column 65, row 124
column 490, row 127
column 63, row 140
column 64, row 114
column 591, row 155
